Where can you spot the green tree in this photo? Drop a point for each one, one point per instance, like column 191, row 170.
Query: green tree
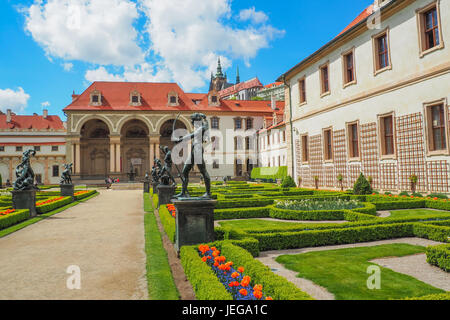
column 362, row 186
column 288, row 182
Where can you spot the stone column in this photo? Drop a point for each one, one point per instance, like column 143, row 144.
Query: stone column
column 152, row 155
column 77, row 157
column 118, row 158
column 157, row 151
column 112, row 157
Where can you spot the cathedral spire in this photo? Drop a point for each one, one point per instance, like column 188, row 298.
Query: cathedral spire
column 219, row 70
column 238, row 78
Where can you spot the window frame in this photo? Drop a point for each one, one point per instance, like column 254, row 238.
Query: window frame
column 377, row 69
column 421, row 25
column 247, row 120
column 218, row 123
column 53, row 171
column 236, row 121
column 346, row 82
column 19, row 148
column 382, row 136
column 324, row 93
column 326, row 156
column 431, row 151
column 302, row 91
column 304, row 140
column 350, row 141
column 55, row 148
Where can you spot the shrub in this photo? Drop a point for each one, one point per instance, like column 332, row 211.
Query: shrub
column 362, row 186
column 241, row 213
column 404, row 193
column 52, row 204
column 432, row 232
column 272, row 173
column 439, row 256
column 168, row 222
column 325, row 204
column 438, row 195
column 84, row 194
column 419, row 195
column 243, row 203
column 204, row 282
column 13, row 218
column 288, row 182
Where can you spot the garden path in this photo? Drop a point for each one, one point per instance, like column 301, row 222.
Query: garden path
column 103, row 236
column 416, row 265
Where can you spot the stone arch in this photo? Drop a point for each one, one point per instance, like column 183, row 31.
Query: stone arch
column 166, row 118
column 135, row 147
column 95, row 149
column 88, row 118
column 122, row 122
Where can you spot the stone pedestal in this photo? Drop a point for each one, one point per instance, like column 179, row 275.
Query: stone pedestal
column 146, row 186
column 194, row 222
column 67, row 190
column 25, row 200
column 155, row 188
column 165, row 193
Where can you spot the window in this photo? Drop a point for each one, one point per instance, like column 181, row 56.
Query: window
column 216, row 164
column 237, row 124
column 135, row 99
column 55, row 148
column 173, row 99
column 305, row 149
column 349, row 68
column 249, row 123
column 237, row 143
column 215, row 123
column 96, row 98
column 37, row 148
column 55, row 171
column 430, row 36
column 437, row 137
column 19, row 148
column 2, row 148
column 248, row 143
column 353, row 136
column 328, row 144
column 387, row 135
column 215, row 143
column 214, row 99
column 324, row 79
column 381, row 51
column 302, row 90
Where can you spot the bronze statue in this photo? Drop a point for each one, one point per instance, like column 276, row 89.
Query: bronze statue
column 156, row 171
column 66, row 177
column 166, row 171
column 196, row 156
column 24, row 173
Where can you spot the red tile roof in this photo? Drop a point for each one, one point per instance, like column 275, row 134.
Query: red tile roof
column 272, row 85
column 361, row 17
column 31, row 122
column 154, row 97
column 252, row 83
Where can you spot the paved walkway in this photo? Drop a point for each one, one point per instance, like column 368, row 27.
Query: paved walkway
column 416, row 265
column 104, row 236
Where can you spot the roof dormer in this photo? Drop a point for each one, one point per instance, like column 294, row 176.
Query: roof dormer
column 135, row 98
column 213, row 99
column 172, row 99
column 96, row 98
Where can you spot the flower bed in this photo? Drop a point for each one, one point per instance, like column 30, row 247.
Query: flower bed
column 10, row 217
column 239, row 285
column 52, row 204
column 327, row 204
column 167, row 220
column 83, row 194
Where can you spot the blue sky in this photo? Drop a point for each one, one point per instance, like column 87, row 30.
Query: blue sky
column 49, row 49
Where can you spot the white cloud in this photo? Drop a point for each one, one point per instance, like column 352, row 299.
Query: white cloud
column 251, row 14
column 67, row 66
column 45, row 104
column 15, row 100
column 95, row 31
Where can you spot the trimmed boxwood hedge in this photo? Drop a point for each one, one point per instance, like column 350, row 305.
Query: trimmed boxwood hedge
column 13, row 218
column 242, row 203
column 439, row 256
column 399, row 204
column 168, row 222
column 272, row 173
column 53, row 205
column 204, row 282
column 241, row 213
column 85, row 195
column 275, row 286
column 438, row 296
column 432, row 232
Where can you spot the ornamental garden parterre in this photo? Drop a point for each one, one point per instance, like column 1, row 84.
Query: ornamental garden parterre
column 253, row 218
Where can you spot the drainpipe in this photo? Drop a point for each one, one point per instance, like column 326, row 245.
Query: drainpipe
column 292, row 128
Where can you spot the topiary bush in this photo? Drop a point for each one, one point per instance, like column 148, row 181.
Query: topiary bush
column 288, row 182
column 362, row 186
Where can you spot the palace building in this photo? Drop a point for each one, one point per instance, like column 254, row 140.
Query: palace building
column 44, row 133
column 375, row 100
column 115, row 127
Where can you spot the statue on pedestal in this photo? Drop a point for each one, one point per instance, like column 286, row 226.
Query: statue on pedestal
column 166, row 171
column 196, row 156
column 24, row 173
column 66, row 177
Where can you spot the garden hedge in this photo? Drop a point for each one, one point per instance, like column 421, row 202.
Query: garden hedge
column 272, row 173
column 14, row 218
column 432, row 232
column 204, row 282
column 439, row 256
column 438, row 296
column 168, row 222
column 242, row 213
column 53, row 205
column 275, row 286
column 243, row 203
column 85, row 195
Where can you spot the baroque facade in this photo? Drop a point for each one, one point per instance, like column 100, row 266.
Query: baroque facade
column 375, row 100
column 115, row 127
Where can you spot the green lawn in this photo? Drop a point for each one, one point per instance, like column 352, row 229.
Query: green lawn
column 260, row 224
column 344, row 272
column 409, row 213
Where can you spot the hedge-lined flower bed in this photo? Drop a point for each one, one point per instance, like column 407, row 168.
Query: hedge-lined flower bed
column 235, row 282
column 439, row 256
column 11, row 217
column 84, row 194
column 312, row 205
column 168, row 222
column 52, row 204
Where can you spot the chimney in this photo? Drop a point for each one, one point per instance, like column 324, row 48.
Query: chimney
column 274, row 102
column 8, row 116
column 45, row 113
column 74, row 96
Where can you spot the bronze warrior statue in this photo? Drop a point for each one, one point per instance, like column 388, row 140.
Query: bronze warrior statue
column 196, row 156
column 24, row 173
column 166, row 171
column 66, row 177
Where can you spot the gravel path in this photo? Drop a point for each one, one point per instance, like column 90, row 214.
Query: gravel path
column 321, row 293
column 104, row 236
